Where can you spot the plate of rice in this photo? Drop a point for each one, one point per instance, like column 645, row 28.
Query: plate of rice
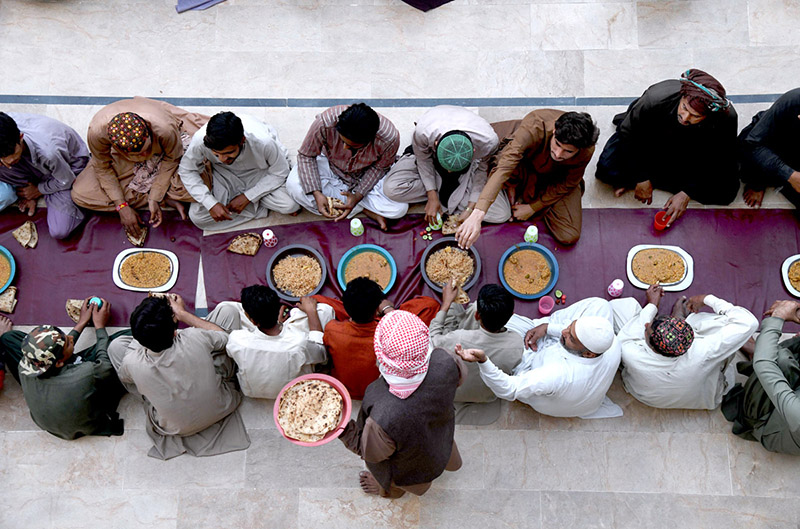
column 443, row 261
column 367, row 260
column 295, row 271
column 145, row 270
column 671, row 267
column 790, row 272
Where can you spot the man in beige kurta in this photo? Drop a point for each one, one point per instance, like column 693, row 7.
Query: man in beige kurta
column 140, row 179
column 188, row 389
column 418, row 176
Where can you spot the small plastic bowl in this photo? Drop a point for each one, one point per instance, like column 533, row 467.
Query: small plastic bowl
column 546, row 304
column 660, row 221
column 347, row 407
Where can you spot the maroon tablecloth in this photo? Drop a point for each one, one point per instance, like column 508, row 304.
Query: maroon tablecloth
column 737, row 254
column 81, row 266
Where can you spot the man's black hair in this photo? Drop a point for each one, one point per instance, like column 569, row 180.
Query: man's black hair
column 262, row 304
column 9, row 135
column 361, row 299
column 223, row 130
column 577, row 129
column 359, row 123
column 153, row 324
column 495, row 306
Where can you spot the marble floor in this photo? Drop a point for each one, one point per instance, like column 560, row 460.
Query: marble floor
column 284, row 61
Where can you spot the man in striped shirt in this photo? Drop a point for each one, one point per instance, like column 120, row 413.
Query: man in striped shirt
column 345, row 155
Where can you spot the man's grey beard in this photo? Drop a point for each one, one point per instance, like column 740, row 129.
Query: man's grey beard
column 571, row 351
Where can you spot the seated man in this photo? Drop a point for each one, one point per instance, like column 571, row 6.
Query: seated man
column 40, row 156
column 275, row 344
column 349, row 338
column 249, row 166
column 69, row 394
column 540, row 164
column 345, row 155
column 679, row 136
column 446, row 165
column 136, row 146
column 405, row 429
column 767, row 409
column 481, row 326
column 568, row 366
column 768, row 151
column 185, row 378
column 682, row 360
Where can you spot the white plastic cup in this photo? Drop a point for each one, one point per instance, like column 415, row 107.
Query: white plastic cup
column 532, row 233
column 438, row 223
column 270, row 240
column 615, row 288
column 356, row 227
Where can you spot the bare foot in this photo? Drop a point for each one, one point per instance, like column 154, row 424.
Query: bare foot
column 5, row 325
column 368, row 483
column 377, row 218
column 749, row 348
column 179, row 207
column 753, row 197
column 296, row 213
column 618, row 192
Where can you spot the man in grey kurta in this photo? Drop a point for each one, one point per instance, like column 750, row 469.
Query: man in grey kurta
column 44, row 157
column 249, row 168
column 767, row 408
column 480, row 326
column 419, row 175
column 185, row 378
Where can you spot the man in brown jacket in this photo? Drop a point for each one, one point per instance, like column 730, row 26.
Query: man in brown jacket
column 136, row 146
column 406, row 425
column 540, row 165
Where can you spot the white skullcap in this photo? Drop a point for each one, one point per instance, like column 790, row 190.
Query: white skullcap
column 595, row 333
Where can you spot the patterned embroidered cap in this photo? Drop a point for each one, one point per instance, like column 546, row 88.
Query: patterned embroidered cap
column 454, row 151
column 128, row 131
column 41, row 348
column 402, row 344
column 672, row 337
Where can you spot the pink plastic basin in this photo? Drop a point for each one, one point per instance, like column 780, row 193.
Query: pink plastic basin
column 347, row 407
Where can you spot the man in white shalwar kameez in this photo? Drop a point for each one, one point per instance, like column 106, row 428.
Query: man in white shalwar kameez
column 249, row 167
column 569, row 363
column 672, row 373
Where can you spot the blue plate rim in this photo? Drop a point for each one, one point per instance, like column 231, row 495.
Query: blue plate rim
column 13, row 265
column 522, row 246
column 367, row 246
column 279, row 252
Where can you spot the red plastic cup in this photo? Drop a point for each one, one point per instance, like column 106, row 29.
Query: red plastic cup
column 546, row 304
column 660, row 221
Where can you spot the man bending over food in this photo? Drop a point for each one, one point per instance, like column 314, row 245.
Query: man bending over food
column 345, row 156
column 349, row 338
column 405, row 429
column 202, row 419
column 275, row 343
column 568, row 366
column 681, row 360
column 480, row 326
column 249, row 166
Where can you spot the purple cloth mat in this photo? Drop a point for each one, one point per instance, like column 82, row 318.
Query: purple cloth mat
column 187, row 5
column 80, row 266
column 737, row 255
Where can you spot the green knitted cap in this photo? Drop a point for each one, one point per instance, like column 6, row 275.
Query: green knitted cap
column 454, row 151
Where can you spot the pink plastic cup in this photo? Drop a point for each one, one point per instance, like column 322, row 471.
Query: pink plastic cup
column 660, row 221
column 546, row 304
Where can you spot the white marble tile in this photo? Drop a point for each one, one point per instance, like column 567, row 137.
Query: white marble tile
column 352, row 509
column 774, row 22
column 472, row 447
column 14, row 412
column 757, row 472
column 24, row 508
column 233, row 508
column 268, row 28
column 451, row 509
column 560, row 26
column 749, row 70
column 692, row 23
column 115, row 509
column 628, row 73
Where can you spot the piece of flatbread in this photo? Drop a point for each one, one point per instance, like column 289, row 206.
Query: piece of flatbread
column 74, row 309
column 138, row 241
column 246, row 244
column 309, row 410
column 334, row 206
column 158, row 295
column 461, row 296
column 451, row 225
column 27, row 235
column 8, row 300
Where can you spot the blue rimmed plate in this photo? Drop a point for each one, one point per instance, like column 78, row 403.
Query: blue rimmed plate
column 5, row 254
column 548, row 257
column 362, row 248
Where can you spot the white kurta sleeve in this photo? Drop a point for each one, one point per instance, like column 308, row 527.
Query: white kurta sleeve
column 502, row 385
column 740, row 324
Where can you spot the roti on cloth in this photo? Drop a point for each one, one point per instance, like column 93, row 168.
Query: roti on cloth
column 8, row 300
column 27, row 234
column 138, row 241
column 309, row 410
column 246, row 244
column 74, row 309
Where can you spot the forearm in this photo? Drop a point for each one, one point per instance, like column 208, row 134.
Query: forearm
column 163, row 180
column 191, row 320
column 769, row 373
column 502, row 385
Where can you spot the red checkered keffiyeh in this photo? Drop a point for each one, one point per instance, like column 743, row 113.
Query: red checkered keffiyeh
column 402, row 346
